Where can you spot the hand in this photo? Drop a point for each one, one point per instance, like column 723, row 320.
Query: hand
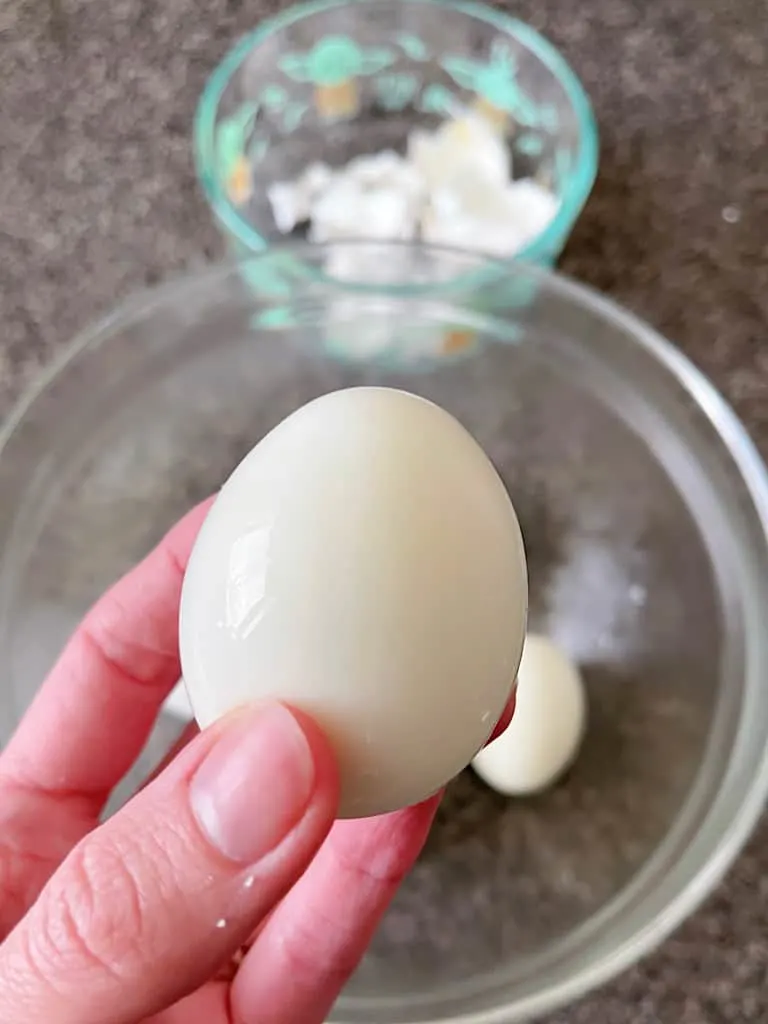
column 229, row 854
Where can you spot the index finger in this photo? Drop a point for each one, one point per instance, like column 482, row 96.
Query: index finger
column 317, row 935
column 92, row 716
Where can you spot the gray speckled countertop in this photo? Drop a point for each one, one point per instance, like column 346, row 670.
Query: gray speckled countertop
column 97, row 198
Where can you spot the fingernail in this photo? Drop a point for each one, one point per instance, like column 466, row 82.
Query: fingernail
column 255, row 783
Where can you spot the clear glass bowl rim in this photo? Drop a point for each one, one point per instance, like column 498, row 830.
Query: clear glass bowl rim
column 579, row 183
column 726, row 824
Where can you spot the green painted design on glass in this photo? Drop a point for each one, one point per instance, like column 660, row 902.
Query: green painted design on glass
column 269, row 36
column 277, row 316
column 520, row 291
column 495, row 82
column 229, row 147
column 335, row 60
column 266, row 277
column 396, row 91
column 529, row 144
column 436, row 99
column 412, row 46
column 273, row 97
column 231, row 137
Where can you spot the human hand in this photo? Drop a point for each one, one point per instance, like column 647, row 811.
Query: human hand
column 232, row 845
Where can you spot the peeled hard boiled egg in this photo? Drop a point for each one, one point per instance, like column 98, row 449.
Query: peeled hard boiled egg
column 364, row 564
column 544, row 735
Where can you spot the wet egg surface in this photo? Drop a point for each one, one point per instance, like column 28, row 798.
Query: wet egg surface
column 363, row 563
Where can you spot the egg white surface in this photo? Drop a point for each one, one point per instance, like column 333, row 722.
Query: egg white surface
column 363, row 563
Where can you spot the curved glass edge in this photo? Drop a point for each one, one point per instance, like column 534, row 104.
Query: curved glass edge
column 544, row 249
column 687, row 892
column 740, row 796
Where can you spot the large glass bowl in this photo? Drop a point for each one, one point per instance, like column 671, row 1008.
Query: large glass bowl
column 644, row 508
column 334, row 79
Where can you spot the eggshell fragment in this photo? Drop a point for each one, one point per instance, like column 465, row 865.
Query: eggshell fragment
column 292, row 201
column 452, row 188
column 348, row 211
column 460, row 144
column 530, row 207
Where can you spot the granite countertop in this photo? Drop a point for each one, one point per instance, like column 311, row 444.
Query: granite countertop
column 98, row 198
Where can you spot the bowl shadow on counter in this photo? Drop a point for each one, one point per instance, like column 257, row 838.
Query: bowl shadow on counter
column 500, row 878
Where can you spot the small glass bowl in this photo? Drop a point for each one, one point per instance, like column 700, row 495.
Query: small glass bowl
column 332, row 80
column 644, row 508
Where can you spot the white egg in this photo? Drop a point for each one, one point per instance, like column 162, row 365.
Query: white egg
column 544, row 736
column 363, row 563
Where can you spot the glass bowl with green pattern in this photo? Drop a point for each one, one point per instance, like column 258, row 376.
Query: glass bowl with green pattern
column 332, row 80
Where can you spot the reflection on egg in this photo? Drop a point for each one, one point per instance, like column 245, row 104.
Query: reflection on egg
column 544, row 735
column 363, row 563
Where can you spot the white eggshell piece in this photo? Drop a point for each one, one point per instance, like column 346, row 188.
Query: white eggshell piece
column 348, row 211
column 289, row 205
column 291, row 201
column 484, row 216
column 334, row 214
column 452, row 188
column 459, row 144
column 474, row 234
column 470, row 142
column 363, row 563
column 376, row 168
column 177, row 703
column 388, row 213
column 366, row 266
column 364, row 327
column 546, row 731
column 530, row 207
column 360, row 330
column 423, row 155
column 388, row 171
column 315, row 180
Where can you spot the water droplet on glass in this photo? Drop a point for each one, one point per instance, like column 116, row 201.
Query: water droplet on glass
column 731, row 214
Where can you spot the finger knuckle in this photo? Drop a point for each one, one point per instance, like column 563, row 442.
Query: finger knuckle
column 378, row 867
column 319, row 946
column 91, row 919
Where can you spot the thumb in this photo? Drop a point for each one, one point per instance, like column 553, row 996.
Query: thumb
column 154, row 901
